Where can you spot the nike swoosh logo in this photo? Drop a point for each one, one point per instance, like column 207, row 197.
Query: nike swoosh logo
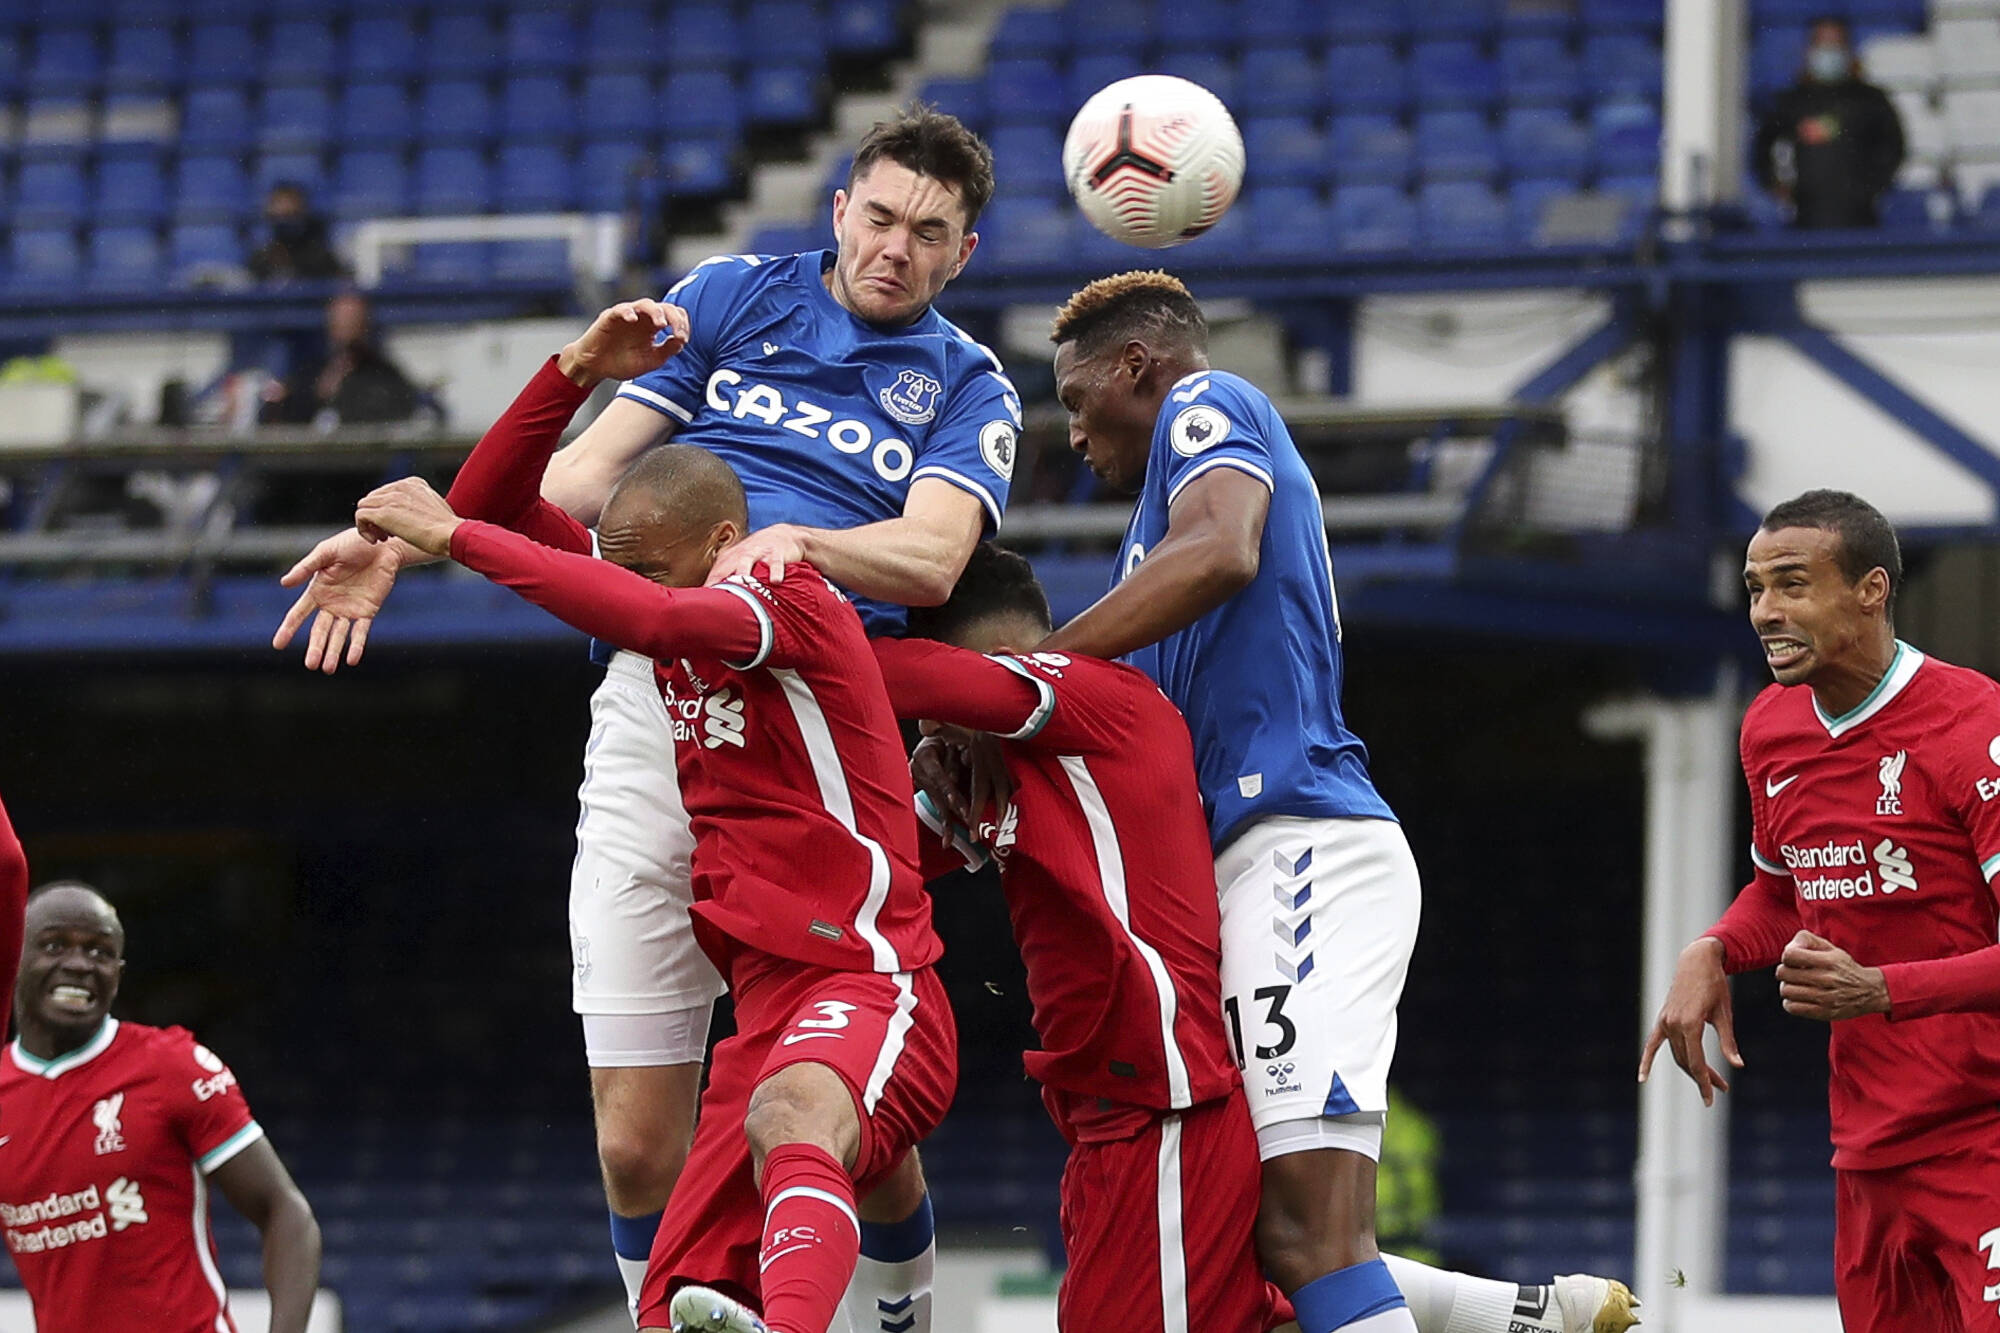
column 806, row 1036
column 1773, row 788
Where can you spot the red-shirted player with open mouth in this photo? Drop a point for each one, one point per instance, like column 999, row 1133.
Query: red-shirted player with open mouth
column 1875, row 836
column 807, row 896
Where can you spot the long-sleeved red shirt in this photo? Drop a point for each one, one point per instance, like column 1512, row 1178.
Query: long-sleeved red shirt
column 13, row 907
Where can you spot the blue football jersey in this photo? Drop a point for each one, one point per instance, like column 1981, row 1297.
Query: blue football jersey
column 1259, row 677
column 829, row 419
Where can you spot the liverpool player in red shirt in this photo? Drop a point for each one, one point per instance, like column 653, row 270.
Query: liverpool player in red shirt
column 13, row 903
column 1875, row 834
column 806, row 891
column 117, row 1131
column 1103, row 854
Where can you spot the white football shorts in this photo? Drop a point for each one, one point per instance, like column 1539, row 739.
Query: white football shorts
column 630, row 939
column 1319, row 917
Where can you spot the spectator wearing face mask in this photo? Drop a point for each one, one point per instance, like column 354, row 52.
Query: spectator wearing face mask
column 298, row 246
column 1831, row 143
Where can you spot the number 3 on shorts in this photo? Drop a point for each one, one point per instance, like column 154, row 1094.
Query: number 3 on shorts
column 833, row 1014
column 1990, row 1242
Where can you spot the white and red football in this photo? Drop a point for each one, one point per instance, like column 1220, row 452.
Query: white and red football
column 1153, row 160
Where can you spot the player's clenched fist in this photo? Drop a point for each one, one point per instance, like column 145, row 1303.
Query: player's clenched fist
column 409, row 509
column 625, row 342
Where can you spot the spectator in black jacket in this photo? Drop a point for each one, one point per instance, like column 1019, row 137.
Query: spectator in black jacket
column 357, row 383
column 1831, row 143
column 298, row 247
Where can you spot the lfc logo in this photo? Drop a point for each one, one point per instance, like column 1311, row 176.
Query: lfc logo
column 1890, row 771
column 110, row 1134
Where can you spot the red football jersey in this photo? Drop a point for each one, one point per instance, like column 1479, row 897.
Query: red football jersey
column 103, row 1179
column 1880, row 831
column 1105, row 861
column 13, row 907
column 790, row 763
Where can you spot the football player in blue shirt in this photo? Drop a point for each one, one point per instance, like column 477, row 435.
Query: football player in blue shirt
column 875, row 440
column 1223, row 593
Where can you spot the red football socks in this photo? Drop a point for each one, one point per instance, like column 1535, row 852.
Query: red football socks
column 811, row 1238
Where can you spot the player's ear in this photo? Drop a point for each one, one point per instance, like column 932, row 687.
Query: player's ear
column 839, row 211
column 965, row 249
column 1134, row 360
column 723, row 536
column 1875, row 588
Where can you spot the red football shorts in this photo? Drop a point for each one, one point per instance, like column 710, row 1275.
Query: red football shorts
column 1916, row 1248
column 1160, row 1227
column 889, row 1036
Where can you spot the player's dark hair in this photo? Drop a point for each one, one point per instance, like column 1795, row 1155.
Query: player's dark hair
column 1147, row 304
column 1867, row 539
column 995, row 581
column 690, row 484
column 923, row 139
column 41, row 891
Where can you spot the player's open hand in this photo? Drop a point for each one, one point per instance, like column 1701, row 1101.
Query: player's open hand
column 1698, row 999
column 409, row 509
column 626, row 341
column 1819, row 979
column 767, row 549
column 346, row 579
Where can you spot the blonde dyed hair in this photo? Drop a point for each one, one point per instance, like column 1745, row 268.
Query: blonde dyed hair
column 1141, row 303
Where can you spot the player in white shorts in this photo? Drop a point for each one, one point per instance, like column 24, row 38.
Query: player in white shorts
column 875, row 440
column 1223, row 594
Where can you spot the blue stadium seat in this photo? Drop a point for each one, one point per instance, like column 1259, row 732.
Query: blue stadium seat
column 1526, row 201
column 532, row 261
column 1211, row 28
column 1461, row 215
column 131, row 188
column 1624, row 15
column 303, row 169
column 124, row 258
column 50, row 194
column 787, row 30
column 610, row 172
column 1366, row 77
column 1028, row 91
column 1027, row 160
column 1372, row 150
column 461, row 44
column 215, row 118
column 458, row 262
column 1889, row 15
column 865, row 29
column 537, row 108
column 1090, row 71
column 1628, row 137
column 143, row 59
column 793, row 238
column 211, row 189
column 1289, row 222
column 1538, row 71
column 221, row 52
column 964, row 98
column 1910, row 210
column 1368, row 21
column 1281, row 81
column 696, row 103
column 621, row 37
column 457, row 111
column 1109, row 25
column 1298, row 23
column 1025, row 233
column 371, row 182
column 1453, row 74
column 377, row 114
column 144, row 13
column 538, row 39
column 299, row 51
column 698, row 168
column 42, row 257
column 1285, row 150
column 1470, row 19
column 791, row 94
column 453, row 180
column 1777, row 54
column 1641, row 193
column 1537, row 18
column 381, row 47
column 1029, row 33
column 1544, row 142
column 1211, row 69
column 702, row 36
column 535, row 178
column 295, row 116
column 11, row 63
column 614, row 104
column 1373, row 218
column 1456, row 146
column 66, row 63
column 195, row 246
column 1622, row 64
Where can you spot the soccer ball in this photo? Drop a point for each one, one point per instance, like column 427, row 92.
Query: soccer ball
column 1153, row 160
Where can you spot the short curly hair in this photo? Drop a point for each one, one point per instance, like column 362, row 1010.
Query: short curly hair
column 995, row 582
column 923, row 139
column 1141, row 303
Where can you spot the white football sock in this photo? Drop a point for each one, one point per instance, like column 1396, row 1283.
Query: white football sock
column 891, row 1298
column 634, row 1273
column 1444, row 1302
column 1389, row 1321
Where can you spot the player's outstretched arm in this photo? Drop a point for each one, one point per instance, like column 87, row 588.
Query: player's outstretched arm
column 626, row 341
column 1697, row 1000
column 257, row 1185
column 13, row 907
column 912, row 560
column 346, row 579
column 1212, row 550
